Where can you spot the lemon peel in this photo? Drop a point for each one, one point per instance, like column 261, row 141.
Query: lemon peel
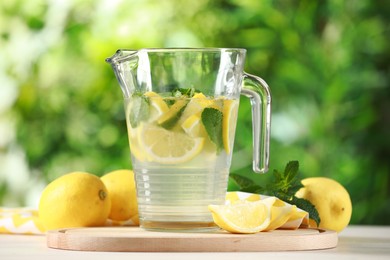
column 121, row 186
column 243, row 217
column 77, row 199
column 230, row 114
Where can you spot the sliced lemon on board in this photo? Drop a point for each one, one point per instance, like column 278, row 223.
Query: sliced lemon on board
column 230, row 111
column 243, row 217
column 280, row 215
column 168, row 147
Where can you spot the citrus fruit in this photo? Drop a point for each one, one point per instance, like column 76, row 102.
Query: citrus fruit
column 135, row 149
column 193, row 126
column 243, row 217
column 76, row 199
column 280, row 214
column 331, row 200
column 170, row 118
column 122, row 190
column 158, row 107
column 168, row 147
column 196, row 104
column 230, row 111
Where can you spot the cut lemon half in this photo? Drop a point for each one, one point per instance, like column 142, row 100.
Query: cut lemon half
column 158, row 107
column 245, row 217
column 168, row 147
column 230, row 111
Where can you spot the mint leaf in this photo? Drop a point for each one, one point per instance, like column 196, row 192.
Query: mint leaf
column 241, row 181
column 286, row 180
column 188, row 92
column 308, row 207
column 291, row 171
column 139, row 110
column 212, row 121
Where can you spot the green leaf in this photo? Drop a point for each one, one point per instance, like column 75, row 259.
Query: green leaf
column 212, row 121
column 295, row 186
column 188, row 92
column 241, row 181
column 306, row 206
column 291, row 171
column 246, row 184
column 139, row 110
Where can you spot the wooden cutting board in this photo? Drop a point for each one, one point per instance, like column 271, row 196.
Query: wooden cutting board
column 135, row 239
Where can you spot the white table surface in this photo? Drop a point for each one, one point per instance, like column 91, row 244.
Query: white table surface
column 355, row 242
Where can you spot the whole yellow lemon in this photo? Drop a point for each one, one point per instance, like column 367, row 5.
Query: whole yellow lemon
column 76, row 199
column 331, row 200
column 121, row 187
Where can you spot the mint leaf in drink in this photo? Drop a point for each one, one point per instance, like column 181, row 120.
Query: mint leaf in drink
column 187, row 92
column 212, row 121
column 139, row 109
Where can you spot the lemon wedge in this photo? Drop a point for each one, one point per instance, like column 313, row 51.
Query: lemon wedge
column 168, row 147
column 197, row 103
column 170, row 118
column 280, row 215
column 243, row 216
column 157, row 105
column 193, row 126
column 230, row 113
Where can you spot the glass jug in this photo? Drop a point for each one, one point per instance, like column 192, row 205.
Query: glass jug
column 181, row 112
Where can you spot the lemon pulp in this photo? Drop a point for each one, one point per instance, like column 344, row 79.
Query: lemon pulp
column 243, row 217
column 168, row 147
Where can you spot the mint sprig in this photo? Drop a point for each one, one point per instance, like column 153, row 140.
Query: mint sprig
column 284, row 187
column 187, row 92
column 212, row 121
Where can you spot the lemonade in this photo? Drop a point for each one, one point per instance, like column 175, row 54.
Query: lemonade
column 181, row 145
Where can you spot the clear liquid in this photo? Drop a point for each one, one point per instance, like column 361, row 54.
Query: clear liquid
column 175, row 196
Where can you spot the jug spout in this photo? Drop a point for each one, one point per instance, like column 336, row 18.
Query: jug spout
column 123, row 62
column 122, row 55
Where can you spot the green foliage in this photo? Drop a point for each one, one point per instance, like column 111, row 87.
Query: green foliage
column 327, row 63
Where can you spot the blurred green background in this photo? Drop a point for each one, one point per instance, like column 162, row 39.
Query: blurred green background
column 327, row 63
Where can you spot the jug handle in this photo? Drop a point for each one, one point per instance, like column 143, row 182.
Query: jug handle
column 257, row 90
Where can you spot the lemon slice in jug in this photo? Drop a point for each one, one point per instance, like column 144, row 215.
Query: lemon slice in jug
column 157, row 105
column 230, row 111
column 168, row 147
